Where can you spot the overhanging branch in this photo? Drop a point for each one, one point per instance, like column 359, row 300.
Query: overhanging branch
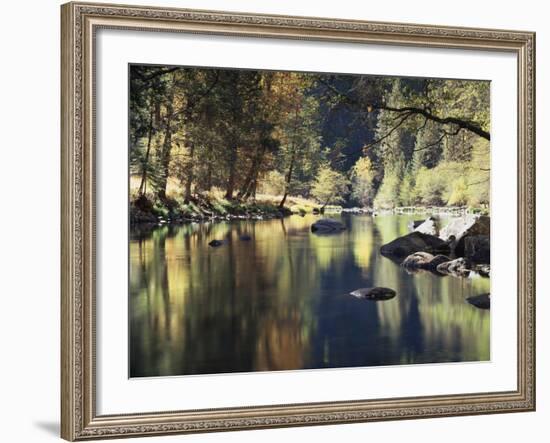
column 462, row 123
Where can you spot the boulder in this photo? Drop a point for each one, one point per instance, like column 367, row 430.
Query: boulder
column 477, row 248
column 483, row 270
column 424, row 261
column 413, row 224
column 327, row 226
column 482, row 301
column 459, row 228
column 428, row 226
column 418, row 260
column 215, row 243
column 414, row 242
column 436, row 261
column 376, row 294
column 459, row 267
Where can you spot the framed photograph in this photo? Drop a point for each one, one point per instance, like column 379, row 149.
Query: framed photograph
column 282, row 221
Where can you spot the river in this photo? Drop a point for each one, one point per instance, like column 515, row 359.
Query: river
column 281, row 300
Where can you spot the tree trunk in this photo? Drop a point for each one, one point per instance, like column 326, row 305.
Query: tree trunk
column 247, row 182
column 288, row 180
column 252, row 188
column 325, row 204
column 252, row 175
column 165, row 153
column 283, row 200
column 232, row 173
column 208, row 184
column 190, row 173
column 292, row 158
column 142, row 185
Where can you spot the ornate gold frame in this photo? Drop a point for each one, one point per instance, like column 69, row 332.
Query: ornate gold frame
column 79, row 420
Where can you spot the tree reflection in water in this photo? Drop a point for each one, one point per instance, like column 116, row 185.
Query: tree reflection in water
column 280, row 301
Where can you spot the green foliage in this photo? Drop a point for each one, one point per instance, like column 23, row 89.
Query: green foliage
column 429, row 145
column 362, row 176
column 387, row 196
column 407, row 194
column 244, row 133
column 459, row 192
column 300, row 150
column 430, row 187
column 273, row 183
column 330, row 186
column 453, row 184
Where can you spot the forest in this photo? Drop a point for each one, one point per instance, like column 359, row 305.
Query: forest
column 208, row 142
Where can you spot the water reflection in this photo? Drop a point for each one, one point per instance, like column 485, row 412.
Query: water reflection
column 280, row 301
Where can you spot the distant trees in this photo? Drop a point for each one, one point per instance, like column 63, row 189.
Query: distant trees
column 362, row 180
column 330, row 187
column 421, row 141
column 300, row 144
column 423, row 129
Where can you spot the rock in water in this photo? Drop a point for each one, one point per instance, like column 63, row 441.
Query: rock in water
column 436, row 261
column 460, row 228
column 414, row 242
column 477, row 248
column 482, row 301
column 376, row 294
column 428, row 226
column 418, row 260
column 424, row 261
column 413, row 224
column 327, row 226
column 483, row 270
column 245, row 237
column 459, row 267
column 215, row 243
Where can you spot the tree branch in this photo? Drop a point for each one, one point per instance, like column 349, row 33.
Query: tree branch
column 147, row 78
column 189, row 107
column 461, row 123
column 426, row 113
column 439, row 140
column 390, row 132
column 478, row 183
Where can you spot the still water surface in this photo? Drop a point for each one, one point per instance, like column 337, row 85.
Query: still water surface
column 281, row 302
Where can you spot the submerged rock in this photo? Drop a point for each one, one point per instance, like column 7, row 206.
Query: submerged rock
column 327, row 226
column 376, row 294
column 215, row 243
column 459, row 267
column 414, row 242
column 482, row 301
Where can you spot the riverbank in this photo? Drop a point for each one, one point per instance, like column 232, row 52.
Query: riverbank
column 212, row 207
